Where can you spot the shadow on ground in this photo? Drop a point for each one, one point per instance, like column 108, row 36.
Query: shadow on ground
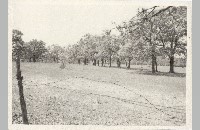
column 145, row 71
column 161, row 74
column 138, row 69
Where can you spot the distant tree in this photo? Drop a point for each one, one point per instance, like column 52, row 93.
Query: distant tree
column 63, row 58
column 90, row 43
column 56, row 51
column 110, row 46
column 126, row 52
column 102, row 54
column 35, row 49
column 17, row 44
column 87, row 48
column 84, row 49
column 28, row 54
column 93, row 49
column 74, row 53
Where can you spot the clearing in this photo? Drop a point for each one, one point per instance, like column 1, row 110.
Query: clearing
column 92, row 95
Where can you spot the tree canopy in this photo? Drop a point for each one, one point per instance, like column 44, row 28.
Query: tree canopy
column 153, row 32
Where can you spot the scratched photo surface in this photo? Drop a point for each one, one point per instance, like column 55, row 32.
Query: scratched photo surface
column 98, row 64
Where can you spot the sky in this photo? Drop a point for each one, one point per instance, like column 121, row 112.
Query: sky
column 63, row 23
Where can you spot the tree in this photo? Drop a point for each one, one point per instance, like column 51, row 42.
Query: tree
column 173, row 34
column 18, row 48
column 133, row 45
column 84, row 51
column 28, row 54
column 35, row 49
column 126, row 52
column 63, row 58
column 110, row 46
column 88, row 48
column 91, row 43
column 145, row 25
column 56, row 51
column 101, row 51
column 148, row 31
column 74, row 53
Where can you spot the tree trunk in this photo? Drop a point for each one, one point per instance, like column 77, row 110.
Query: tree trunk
column 153, row 59
column 95, row 62
column 171, row 58
column 98, row 62
column 129, row 63
column 153, row 64
column 29, row 59
column 156, row 64
column 171, row 64
column 34, row 58
column 102, row 61
column 152, row 49
column 21, row 94
column 118, row 63
column 79, row 61
column 110, row 60
column 85, row 61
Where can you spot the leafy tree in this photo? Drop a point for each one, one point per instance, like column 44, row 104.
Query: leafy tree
column 148, row 31
column 173, row 32
column 126, row 52
column 84, row 48
column 35, row 49
column 91, row 49
column 17, row 44
column 55, row 52
column 88, row 48
column 110, row 46
column 74, row 53
column 102, row 54
column 150, row 24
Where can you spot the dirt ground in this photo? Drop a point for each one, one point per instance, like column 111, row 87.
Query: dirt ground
column 92, row 95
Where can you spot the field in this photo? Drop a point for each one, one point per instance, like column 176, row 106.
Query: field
column 92, row 95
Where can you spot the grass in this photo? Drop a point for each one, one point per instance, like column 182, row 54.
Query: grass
column 92, row 95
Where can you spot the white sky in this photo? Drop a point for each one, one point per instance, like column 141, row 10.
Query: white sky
column 61, row 22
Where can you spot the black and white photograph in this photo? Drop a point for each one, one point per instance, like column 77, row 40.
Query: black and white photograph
column 100, row 64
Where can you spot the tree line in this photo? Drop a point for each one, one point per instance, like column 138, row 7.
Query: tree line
column 153, row 32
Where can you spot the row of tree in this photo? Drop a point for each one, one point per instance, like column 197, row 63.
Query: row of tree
column 151, row 33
